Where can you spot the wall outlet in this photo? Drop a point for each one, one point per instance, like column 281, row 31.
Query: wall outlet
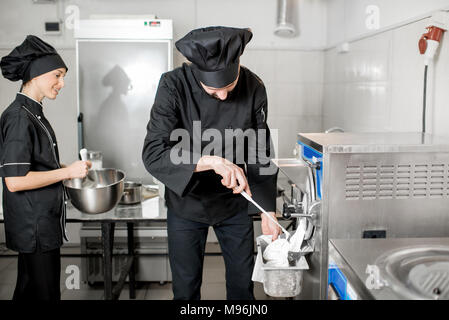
column 374, row 234
column 52, row 28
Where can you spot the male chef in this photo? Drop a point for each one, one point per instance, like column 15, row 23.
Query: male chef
column 213, row 93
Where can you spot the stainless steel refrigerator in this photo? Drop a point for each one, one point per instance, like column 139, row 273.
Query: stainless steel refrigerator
column 119, row 64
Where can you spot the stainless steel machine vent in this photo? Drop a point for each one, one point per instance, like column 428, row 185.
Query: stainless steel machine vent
column 398, row 181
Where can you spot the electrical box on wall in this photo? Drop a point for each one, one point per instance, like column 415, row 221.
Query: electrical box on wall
column 52, row 28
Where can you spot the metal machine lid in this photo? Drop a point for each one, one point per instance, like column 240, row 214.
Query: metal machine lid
column 420, row 272
column 349, row 142
column 296, row 170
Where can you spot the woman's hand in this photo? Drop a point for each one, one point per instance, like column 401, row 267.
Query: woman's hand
column 269, row 227
column 78, row 169
column 233, row 176
column 39, row 179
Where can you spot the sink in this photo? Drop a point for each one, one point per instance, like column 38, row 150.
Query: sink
column 418, row 272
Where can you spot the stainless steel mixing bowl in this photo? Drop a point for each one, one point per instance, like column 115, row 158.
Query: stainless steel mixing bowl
column 102, row 197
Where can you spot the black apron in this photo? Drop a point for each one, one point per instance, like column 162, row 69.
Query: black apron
column 27, row 143
column 180, row 102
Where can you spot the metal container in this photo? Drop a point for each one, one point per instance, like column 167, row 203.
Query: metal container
column 109, row 120
column 103, row 197
column 282, row 282
column 132, row 193
column 96, row 158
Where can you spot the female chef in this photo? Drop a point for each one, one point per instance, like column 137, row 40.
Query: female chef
column 33, row 193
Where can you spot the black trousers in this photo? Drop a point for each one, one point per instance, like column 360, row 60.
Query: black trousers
column 186, row 245
column 38, row 276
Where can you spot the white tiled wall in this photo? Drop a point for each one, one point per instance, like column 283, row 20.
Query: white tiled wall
column 260, row 15
column 346, row 19
column 294, row 82
column 356, row 89
column 378, row 84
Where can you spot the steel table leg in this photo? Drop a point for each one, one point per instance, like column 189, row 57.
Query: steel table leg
column 107, row 235
column 132, row 275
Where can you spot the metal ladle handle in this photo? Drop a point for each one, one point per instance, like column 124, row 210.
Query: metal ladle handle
column 243, row 193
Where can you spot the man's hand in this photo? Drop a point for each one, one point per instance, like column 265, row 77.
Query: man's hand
column 269, row 227
column 233, row 176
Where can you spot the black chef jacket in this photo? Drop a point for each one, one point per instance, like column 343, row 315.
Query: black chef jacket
column 28, row 143
column 180, row 100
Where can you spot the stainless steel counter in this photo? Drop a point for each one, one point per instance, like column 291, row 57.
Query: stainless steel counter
column 150, row 210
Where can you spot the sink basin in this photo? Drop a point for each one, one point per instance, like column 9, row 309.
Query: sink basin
column 419, row 272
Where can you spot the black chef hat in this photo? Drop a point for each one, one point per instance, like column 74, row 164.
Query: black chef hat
column 30, row 59
column 215, row 53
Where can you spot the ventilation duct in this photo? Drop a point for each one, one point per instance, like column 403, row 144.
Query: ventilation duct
column 285, row 19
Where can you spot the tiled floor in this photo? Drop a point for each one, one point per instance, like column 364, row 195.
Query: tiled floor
column 213, row 288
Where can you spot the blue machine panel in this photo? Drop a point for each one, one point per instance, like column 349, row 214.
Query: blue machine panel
column 339, row 282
